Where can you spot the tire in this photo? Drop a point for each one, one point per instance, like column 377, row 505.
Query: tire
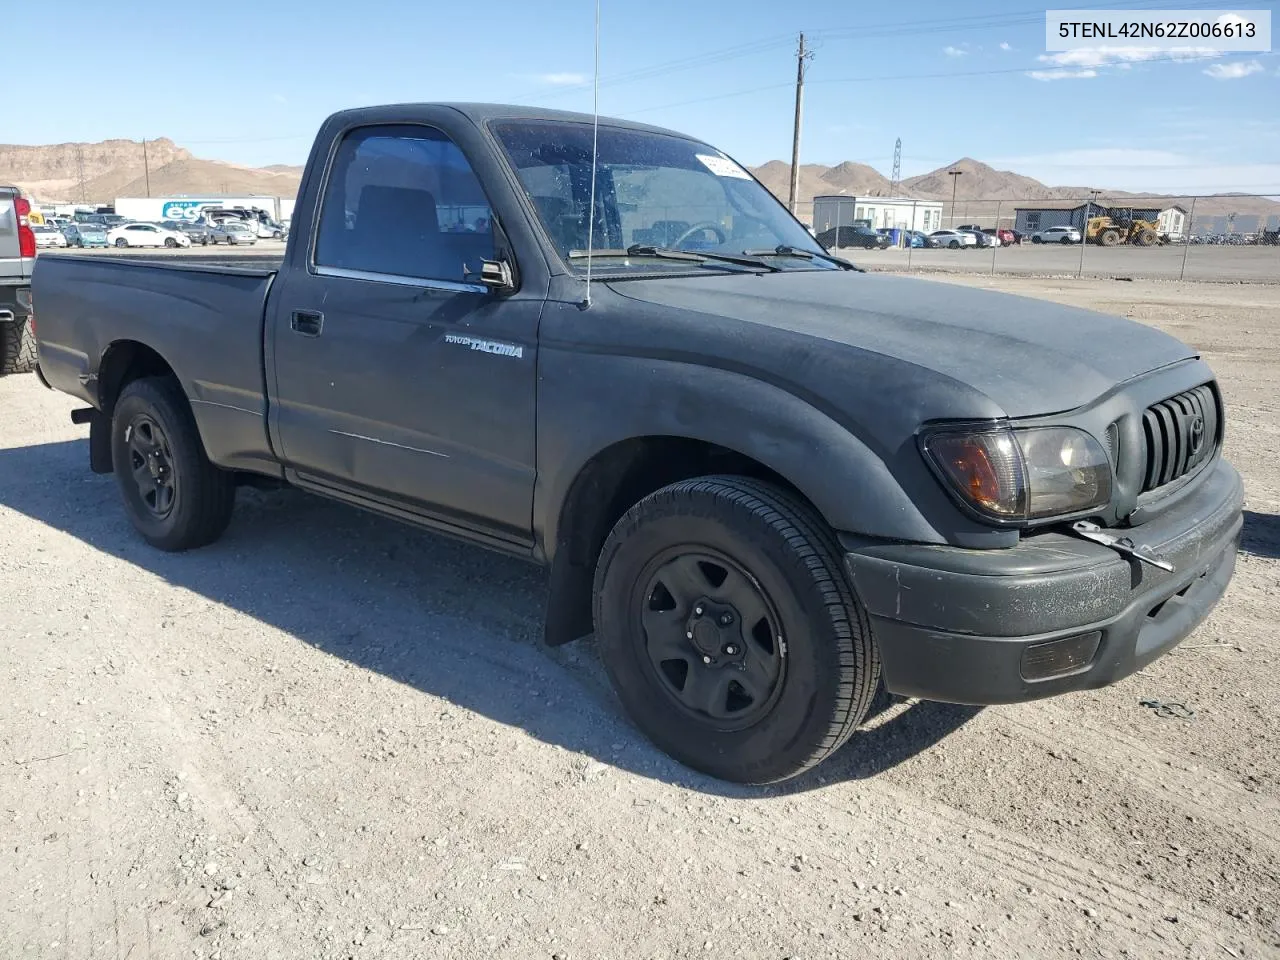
column 1065, row 239
column 121, row 242
column 954, row 244
column 1145, row 238
column 1036, row 240
column 17, row 347
column 170, row 242
column 811, row 691
column 1108, row 238
column 153, row 414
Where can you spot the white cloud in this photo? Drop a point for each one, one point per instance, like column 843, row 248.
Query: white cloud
column 955, row 52
column 1140, row 169
column 1104, row 56
column 561, row 79
column 1060, row 74
column 1006, row 46
column 1233, row 71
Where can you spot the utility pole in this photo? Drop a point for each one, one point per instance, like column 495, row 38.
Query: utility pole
column 897, row 166
column 955, row 176
column 802, row 57
column 146, row 166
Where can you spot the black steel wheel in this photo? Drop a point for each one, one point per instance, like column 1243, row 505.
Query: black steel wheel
column 712, row 635
column 151, row 465
column 173, row 495
column 729, row 631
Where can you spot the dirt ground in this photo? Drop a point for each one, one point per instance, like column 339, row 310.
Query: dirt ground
column 329, row 736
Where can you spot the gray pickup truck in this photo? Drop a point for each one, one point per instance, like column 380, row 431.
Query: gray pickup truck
column 17, row 255
column 770, row 482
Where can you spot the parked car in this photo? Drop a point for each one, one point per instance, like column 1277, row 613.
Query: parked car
column 47, row 236
column 197, row 233
column 853, row 236
column 953, row 239
column 1008, row 237
column 146, row 235
column 1057, row 235
column 981, row 238
column 768, row 481
column 236, row 232
column 918, row 239
column 85, row 235
column 17, row 258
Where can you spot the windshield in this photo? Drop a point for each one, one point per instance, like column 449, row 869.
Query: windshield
column 652, row 190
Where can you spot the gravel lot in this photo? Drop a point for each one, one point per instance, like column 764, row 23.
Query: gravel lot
column 329, row 736
column 1235, row 264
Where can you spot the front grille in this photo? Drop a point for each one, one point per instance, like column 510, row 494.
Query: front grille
column 1181, row 433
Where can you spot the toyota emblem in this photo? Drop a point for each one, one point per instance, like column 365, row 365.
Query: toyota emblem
column 1195, row 434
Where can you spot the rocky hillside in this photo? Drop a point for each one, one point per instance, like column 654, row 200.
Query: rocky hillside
column 54, row 172
column 981, row 190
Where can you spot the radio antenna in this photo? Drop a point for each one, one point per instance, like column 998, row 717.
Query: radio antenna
column 595, row 153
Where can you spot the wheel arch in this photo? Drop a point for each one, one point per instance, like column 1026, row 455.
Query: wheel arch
column 606, row 486
column 124, row 361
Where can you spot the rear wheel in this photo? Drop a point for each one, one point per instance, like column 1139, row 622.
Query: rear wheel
column 1066, row 238
column 17, row 347
column 121, row 242
column 173, row 495
column 729, row 631
column 954, row 244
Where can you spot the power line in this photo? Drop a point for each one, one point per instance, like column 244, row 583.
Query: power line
column 874, row 78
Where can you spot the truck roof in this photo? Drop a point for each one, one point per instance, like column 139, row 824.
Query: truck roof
column 484, row 112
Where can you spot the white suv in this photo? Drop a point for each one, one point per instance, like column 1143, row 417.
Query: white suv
column 1057, row 235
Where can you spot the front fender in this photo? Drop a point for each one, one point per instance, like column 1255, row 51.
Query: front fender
column 590, row 401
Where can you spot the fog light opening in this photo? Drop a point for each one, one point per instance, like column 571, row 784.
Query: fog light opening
column 1060, row 658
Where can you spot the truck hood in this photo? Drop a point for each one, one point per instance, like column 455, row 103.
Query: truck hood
column 1030, row 357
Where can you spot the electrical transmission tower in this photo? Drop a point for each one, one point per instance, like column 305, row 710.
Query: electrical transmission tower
column 897, row 166
column 82, row 189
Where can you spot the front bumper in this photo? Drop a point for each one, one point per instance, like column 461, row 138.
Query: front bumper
column 971, row 626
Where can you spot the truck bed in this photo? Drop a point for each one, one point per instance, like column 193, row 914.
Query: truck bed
column 203, row 315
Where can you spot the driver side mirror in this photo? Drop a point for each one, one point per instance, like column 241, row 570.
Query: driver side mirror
column 496, row 275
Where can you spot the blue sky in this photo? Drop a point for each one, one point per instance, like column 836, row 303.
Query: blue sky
column 249, row 82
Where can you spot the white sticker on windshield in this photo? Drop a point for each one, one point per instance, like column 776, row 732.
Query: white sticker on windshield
column 722, row 166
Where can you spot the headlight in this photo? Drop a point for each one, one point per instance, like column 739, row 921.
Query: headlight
column 1027, row 474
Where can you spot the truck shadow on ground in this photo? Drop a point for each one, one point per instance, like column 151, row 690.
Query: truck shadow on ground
column 1261, row 534
column 446, row 618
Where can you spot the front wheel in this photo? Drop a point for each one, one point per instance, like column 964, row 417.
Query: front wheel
column 170, row 242
column 173, row 495
column 729, row 631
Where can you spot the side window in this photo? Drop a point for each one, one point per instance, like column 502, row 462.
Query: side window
column 403, row 201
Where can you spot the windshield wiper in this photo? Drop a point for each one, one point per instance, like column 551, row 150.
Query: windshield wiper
column 666, row 253
column 782, row 250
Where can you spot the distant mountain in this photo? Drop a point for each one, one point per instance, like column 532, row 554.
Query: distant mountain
column 100, row 172
column 193, row 176
column 981, row 190
column 114, row 168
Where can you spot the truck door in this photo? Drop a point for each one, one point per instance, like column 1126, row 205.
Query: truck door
column 400, row 380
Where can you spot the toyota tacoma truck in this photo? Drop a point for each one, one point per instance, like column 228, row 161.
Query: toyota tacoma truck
column 770, row 482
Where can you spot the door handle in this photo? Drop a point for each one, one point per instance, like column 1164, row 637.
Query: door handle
column 309, row 323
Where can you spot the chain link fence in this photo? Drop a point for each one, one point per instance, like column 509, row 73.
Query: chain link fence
column 1233, row 238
